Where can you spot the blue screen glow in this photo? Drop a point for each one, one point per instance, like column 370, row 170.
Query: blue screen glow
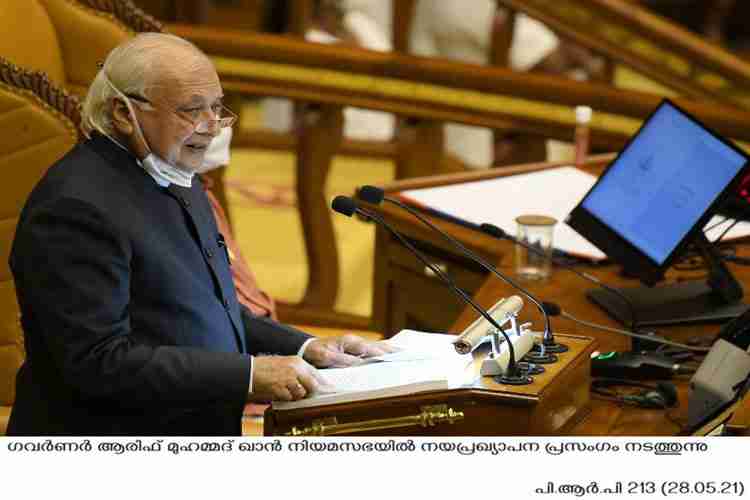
column 663, row 182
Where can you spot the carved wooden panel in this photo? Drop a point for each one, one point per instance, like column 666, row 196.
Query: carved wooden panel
column 127, row 12
column 38, row 83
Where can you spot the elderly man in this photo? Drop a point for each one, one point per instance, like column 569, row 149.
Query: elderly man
column 131, row 320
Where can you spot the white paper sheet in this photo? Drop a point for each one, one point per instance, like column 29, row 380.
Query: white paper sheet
column 554, row 192
column 430, row 362
column 415, row 345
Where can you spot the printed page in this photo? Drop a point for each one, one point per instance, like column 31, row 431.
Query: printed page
column 415, row 345
column 429, row 363
column 391, row 374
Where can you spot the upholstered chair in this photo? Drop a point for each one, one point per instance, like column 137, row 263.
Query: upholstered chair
column 36, row 129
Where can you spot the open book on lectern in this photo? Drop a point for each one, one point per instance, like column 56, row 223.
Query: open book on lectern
column 425, row 362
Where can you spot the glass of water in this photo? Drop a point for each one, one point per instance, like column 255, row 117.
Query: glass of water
column 537, row 232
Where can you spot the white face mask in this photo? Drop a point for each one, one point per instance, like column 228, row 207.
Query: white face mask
column 217, row 154
column 160, row 169
column 164, row 173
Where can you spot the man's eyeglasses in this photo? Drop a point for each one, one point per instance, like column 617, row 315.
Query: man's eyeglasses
column 223, row 117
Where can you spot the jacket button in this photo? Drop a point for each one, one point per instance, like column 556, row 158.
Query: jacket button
column 208, row 252
column 226, row 304
column 185, row 201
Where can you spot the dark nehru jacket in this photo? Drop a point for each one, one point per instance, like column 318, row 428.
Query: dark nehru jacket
column 130, row 317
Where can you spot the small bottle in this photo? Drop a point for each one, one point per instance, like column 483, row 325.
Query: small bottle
column 582, row 136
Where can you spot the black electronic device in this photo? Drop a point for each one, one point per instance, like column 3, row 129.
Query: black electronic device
column 737, row 205
column 653, row 201
column 737, row 332
column 661, row 396
column 634, row 365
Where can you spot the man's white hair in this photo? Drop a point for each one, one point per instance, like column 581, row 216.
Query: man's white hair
column 133, row 68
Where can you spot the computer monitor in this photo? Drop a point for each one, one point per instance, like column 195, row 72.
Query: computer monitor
column 653, row 201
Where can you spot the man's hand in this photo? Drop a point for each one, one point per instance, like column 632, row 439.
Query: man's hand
column 284, row 378
column 347, row 350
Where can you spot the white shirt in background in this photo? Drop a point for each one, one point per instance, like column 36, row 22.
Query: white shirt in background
column 463, row 31
column 359, row 124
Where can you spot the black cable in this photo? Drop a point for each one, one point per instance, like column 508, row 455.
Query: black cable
column 491, row 269
column 500, row 233
column 659, row 340
column 742, row 261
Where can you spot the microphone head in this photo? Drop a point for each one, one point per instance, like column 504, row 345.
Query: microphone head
column 551, row 308
column 344, row 205
column 371, row 194
column 493, row 230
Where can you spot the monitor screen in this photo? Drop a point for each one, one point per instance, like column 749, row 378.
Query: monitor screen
column 652, row 202
column 663, row 182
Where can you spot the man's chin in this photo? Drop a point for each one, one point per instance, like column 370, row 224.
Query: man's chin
column 190, row 165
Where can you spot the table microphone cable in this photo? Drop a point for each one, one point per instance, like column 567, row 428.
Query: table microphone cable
column 649, row 338
column 499, row 233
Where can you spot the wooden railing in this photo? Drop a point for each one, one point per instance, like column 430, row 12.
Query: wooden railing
column 659, row 49
column 418, row 87
column 620, row 30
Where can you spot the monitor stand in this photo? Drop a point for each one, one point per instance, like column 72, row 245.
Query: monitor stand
column 680, row 303
column 717, row 299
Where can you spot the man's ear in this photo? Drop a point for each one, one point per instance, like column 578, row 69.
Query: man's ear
column 122, row 121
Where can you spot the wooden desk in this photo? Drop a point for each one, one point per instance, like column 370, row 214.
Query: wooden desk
column 567, row 290
column 554, row 404
column 407, row 297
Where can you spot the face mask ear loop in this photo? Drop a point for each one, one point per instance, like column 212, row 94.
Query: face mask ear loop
column 131, row 112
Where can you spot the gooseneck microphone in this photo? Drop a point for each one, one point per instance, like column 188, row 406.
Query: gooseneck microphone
column 498, row 233
column 513, row 376
column 375, row 196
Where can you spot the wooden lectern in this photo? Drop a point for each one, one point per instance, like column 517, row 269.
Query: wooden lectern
column 553, row 404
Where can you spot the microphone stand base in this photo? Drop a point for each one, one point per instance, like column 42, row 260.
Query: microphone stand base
column 520, row 379
column 531, row 368
column 539, row 358
column 552, row 347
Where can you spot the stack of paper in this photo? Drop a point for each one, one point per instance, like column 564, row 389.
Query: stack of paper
column 426, row 362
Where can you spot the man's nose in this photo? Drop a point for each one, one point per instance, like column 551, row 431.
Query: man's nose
column 211, row 127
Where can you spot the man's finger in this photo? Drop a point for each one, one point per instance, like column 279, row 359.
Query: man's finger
column 341, row 359
column 283, row 394
column 386, row 347
column 311, row 381
column 298, row 390
column 312, row 372
column 376, row 350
